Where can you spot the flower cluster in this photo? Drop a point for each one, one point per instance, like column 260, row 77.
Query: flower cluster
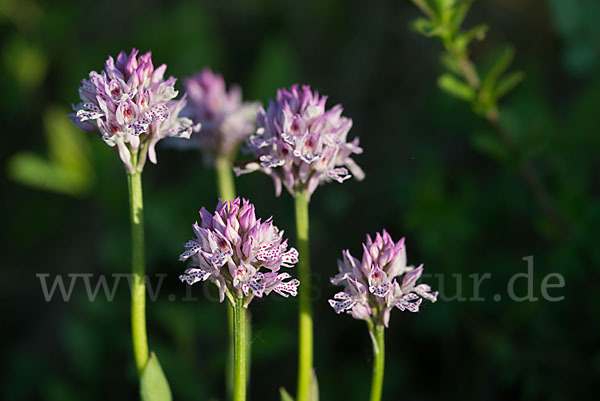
column 226, row 120
column 231, row 247
column 300, row 144
column 132, row 106
column 370, row 286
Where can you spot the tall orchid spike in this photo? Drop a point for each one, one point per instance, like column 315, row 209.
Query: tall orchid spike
column 371, row 287
column 241, row 254
column 226, row 120
column 132, row 106
column 300, row 144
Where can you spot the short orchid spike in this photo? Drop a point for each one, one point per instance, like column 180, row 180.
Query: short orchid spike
column 239, row 253
column 226, row 120
column 133, row 107
column 301, row 144
column 372, row 286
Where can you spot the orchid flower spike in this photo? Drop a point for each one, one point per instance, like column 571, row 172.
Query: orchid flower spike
column 240, row 254
column 300, row 144
column 133, row 107
column 226, row 120
column 379, row 282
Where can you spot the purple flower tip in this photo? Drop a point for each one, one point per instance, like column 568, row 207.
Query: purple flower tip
column 241, row 254
column 226, row 120
column 301, row 144
column 132, row 106
column 371, row 289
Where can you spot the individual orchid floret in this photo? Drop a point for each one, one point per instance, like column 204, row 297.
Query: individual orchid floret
column 239, row 253
column 379, row 282
column 301, row 144
column 226, row 120
column 132, row 106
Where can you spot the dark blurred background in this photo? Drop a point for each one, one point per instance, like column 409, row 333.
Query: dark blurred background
column 434, row 175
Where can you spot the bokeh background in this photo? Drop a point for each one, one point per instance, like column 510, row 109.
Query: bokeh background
column 435, row 174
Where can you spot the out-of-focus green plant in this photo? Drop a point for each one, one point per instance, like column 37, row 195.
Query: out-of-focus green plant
column 67, row 169
column 285, row 396
column 463, row 80
column 577, row 24
column 25, row 14
column 25, row 62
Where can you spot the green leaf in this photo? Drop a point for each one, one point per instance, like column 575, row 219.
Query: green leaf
column 423, row 26
column 500, row 65
column 444, row 9
column 153, row 383
column 429, row 28
column 464, row 39
column 285, row 396
column 450, row 63
column 442, row 5
column 34, row 171
column 426, row 8
column 455, row 87
column 67, row 145
column 461, row 8
column 314, row 386
column 68, row 169
column 508, row 83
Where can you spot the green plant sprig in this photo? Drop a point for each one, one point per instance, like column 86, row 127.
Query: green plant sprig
column 443, row 20
column 462, row 80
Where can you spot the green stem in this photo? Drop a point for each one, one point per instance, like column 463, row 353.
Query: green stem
column 225, row 181
column 230, row 357
column 138, row 289
column 239, row 351
column 377, row 336
column 226, row 190
column 305, row 333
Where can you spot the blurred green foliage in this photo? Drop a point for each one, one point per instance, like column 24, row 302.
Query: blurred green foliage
column 463, row 80
column 430, row 177
column 577, row 24
column 68, row 169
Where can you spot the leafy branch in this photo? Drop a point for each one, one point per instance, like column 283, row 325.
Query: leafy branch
column 443, row 20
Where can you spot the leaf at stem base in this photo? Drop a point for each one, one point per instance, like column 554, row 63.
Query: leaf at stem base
column 153, row 383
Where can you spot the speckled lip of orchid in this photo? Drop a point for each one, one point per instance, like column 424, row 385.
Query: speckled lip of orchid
column 132, row 106
column 239, row 253
column 371, row 289
column 226, row 120
column 301, row 144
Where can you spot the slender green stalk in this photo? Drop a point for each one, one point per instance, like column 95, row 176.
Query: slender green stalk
column 226, row 190
column 305, row 331
column 230, row 356
column 138, row 289
column 377, row 335
column 225, row 181
column 239, row 351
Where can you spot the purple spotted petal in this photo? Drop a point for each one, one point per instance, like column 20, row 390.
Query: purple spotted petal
column 371, row 288
column 194, row 275
column 241, row 254
column 300, row 143
column 129, row 103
